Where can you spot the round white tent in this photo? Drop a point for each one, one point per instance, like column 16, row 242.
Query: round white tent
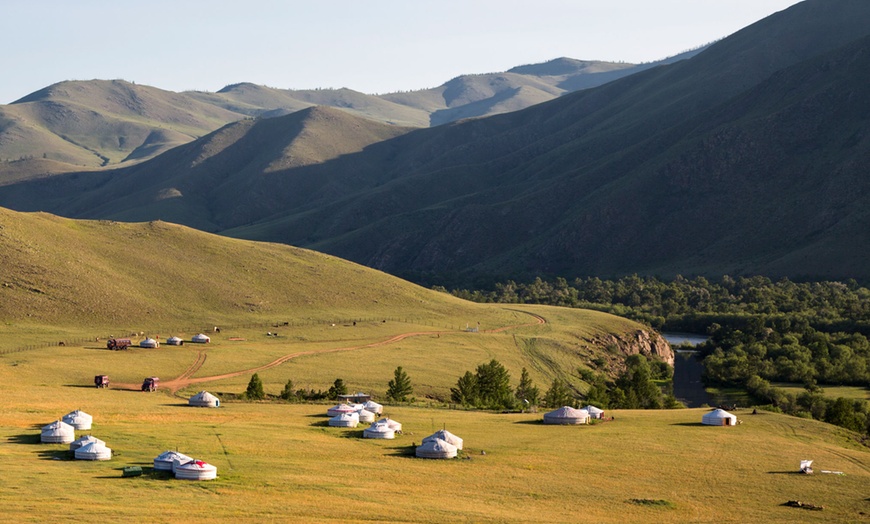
column 175, row 341
column 78, row 419
column 345, row 420
column 201, row 339
column 195, row 470
column 58, row 433
column 93, row 451
column 446, row 436
column 719, row 417
column 365, row 416
column 380, row 430
column 566, row 415
column 149, row 343
column 374, row 407
column 594, row 412
column 204, row 399
column 436, row 449
column 81, row 441
column 166, row 460
column 340, row 409
column 396, row 426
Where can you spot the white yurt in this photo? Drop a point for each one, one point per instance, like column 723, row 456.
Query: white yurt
column 195, row 470
column 78, row 419
column 93, row 451
column 446, row 436
column 366, row 416
column 436, row 449
column 166, row 460
column 175, row 341
column 594, row 412
column 379, row 430
column 345, row 420
column 719, row 417
column 81, row 441
column 374, row 407
column 58, row 433
column 149, row 343
column 204, row 399
column 567, row 415
column 340, row 409
column 396, row 426
column 201, row 339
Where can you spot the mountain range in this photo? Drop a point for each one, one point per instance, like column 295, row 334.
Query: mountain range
column 748, row 157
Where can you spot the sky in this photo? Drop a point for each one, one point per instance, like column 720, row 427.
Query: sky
column 372, row 46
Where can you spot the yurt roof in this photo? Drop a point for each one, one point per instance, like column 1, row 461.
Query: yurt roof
column 59, row 426
column 719, row 413
column 372, row 404
column 204, row 396
column 77, row 417
column 173, row 339
column 443, row 434
column 93, row 447
column 392, row 423
column 436, row 448
column 87, row 439
column 200, row 336
column 347, row 416
column 567, row 412
column 593, row 410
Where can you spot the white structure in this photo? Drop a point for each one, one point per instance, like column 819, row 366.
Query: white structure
column 806, row 466
column 436, row 449
column 594, row 412
column 340, row 409
column 396, row 426
column 446, row 436
column 93, row 451
column 567, row 415
column 58, row 433
column 345, row 420
column 380, row 430
column 374, row 407
column 719, row 417
column 166, row 460
column 195, row 470
column 78, row 420
column 149, row 343
column 204, row 399
column 201, row 339
column 365, row 416
column 81, row 441
column 175, row 341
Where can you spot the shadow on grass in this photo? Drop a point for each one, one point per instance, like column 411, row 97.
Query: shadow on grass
column 403, row 451
column 26, row 438
column 690, row 424
column 316, row 415
column 83, row 386
column 353, row 433
column 147, row 472
column 320, row 424
column 55, row 454
column 539, row 422
column 178, row 405
column 785, row 473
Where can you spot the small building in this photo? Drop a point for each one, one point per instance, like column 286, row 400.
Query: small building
column 436, row 449
column 58, row 433
column 149, row 343
column 596, row 413
column 567, row 415
column 201, row 339
column 175, row 341
column 78, row 420
column 355, row 398
column 719, row 417
column 380, row 430
column 446, row 436
column 195, row 470
column 204, row 399
column 166, row 460
column 93, row 451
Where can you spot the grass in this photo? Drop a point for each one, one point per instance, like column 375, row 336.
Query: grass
column 850, row 392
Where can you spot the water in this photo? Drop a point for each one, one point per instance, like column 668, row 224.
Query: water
column 676, row 339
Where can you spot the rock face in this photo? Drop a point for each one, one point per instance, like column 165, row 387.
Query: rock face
column 641, row 341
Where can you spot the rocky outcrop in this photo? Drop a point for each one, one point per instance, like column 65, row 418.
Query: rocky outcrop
column 645, row 342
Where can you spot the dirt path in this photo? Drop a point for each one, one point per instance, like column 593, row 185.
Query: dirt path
column 186, row 378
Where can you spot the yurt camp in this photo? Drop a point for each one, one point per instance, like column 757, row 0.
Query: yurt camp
column 195, row 470
column 175, row 341
column 719, row 417
column 345, row 420
column 566, row 415
column 201, row 339
column 83, row 440
column 374, row 407
column 166, row 460
column 436, row 449
column 395, row 425
column 58, row 433
column 149, row 343
column 380, row 430
column 78, row 419
column 446, row 436
column 204, row 399
column 594, row 412
column 93, row 451
column 340, row 409
column 365, row 416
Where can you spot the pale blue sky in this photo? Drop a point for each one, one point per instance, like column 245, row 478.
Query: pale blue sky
column 371, row 46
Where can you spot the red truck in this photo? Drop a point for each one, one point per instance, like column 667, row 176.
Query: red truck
column 118, row 343
column 101, row 381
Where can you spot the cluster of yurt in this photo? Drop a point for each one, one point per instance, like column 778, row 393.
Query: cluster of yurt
column 201, row 339
column 440, row 445
column 175, row 341
column 204, row 399
column 385, row 428
column 78, row 419
column 567, row 415
column 149, row 343
column 63, row 431
column 184, row 467
column 719, row 417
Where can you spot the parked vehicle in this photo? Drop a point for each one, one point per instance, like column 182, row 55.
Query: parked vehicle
column 150, row 384
column 118, row 343
column 101, row 381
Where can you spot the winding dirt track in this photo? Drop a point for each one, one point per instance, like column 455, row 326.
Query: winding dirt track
column 186, row 378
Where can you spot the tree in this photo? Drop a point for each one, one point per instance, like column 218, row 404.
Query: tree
column 289, row 393
column 337, row 388
column 526, row 392
column 465, row 392
column 255, row 389
column 558, row 395
column 493, row 386
column 400, row 387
